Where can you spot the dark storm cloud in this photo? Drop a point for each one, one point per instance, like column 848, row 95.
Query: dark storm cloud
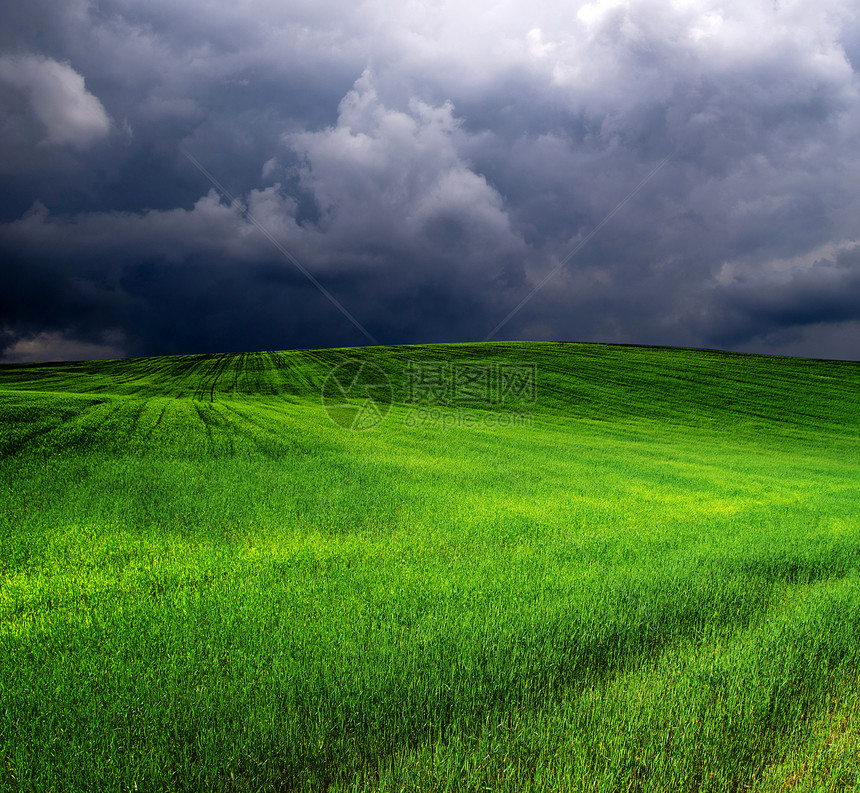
column 430, row 165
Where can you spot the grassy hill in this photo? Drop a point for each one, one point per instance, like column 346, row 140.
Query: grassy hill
column 645, row 577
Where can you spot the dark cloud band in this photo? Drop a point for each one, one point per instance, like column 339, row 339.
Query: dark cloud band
column 428, row 169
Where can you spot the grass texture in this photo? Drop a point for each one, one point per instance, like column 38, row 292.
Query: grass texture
column 654, row 584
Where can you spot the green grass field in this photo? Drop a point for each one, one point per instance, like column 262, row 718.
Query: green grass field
column 654, row 584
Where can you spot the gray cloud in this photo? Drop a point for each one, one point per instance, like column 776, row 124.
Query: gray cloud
column 429, row 164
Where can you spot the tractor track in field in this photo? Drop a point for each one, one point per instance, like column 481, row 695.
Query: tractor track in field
column 199, row 390
column 206, row 424
column 136, row 414
column 240, row 368
column 207, row 414
column 157, row 424
column 261, row 426
column 219, row 365
column 13, row 447
column 16, row 445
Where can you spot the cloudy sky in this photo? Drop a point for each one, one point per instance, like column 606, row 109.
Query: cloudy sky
column 428, row 164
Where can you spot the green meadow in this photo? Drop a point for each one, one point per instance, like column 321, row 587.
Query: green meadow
column 645, row 578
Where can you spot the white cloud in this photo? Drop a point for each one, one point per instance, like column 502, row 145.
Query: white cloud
column 394, row 176
column 58, row 97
